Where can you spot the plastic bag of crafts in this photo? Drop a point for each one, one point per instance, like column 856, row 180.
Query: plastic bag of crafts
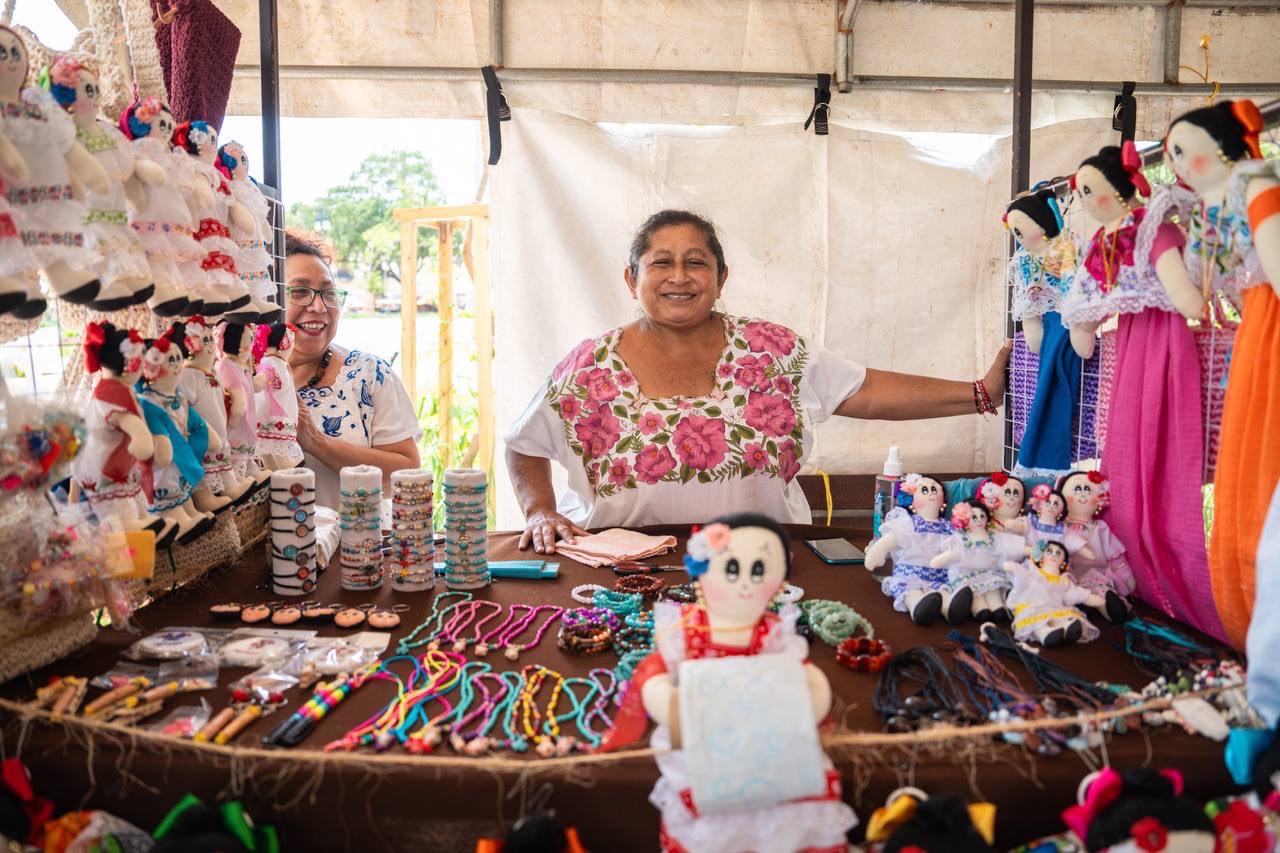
column 173, row 643
column 183, row 722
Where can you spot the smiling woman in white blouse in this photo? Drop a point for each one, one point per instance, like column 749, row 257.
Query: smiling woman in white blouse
column 357, row 410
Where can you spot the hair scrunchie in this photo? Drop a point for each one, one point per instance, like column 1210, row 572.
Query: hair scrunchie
column 1131, row 160
column 1250, row 117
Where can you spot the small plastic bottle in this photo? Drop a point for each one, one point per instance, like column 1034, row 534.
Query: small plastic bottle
column 885, row 482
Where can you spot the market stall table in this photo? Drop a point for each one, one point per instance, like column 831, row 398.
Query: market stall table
column 325, row 801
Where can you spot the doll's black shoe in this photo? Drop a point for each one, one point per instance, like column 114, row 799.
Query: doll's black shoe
column 1054, row 638
column 984, row 616
column 960, row 608
column 1075, row 631
column 1117, row 608
column 172, row 308
column 30, row 309
column 11, row 300
column 82, row 295
column 143, row 295
column 927, row 608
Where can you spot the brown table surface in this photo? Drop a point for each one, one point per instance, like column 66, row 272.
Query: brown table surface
column 371, row 806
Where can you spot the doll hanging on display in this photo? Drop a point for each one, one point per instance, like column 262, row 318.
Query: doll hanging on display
column 1045, row 599
column 1235, row 222
column 159, row 213
column 253, row 261
column 235, row 372
column 1106, row 571
column 1139, row 809
column 1040, row 273
column 912, row 534
column 199, row 142
column 201, row 386
column 122, row 266
column 113, row 468
column 19, row 293
column 972, row 559
column 277, row 400
column 1154, row 453
column 40, row 164
column 181, row 436
column 740, row 564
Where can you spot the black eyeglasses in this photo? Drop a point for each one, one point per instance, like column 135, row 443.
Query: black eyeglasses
column 304, row 296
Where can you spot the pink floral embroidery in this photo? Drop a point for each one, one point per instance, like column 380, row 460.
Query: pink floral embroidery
column 763, row 336
column 570, row 408
column 751, row 372
column 755, row 456
column 700, row 442
column 624, row 378
column 598, row 432
column 650, row 422
column 653, row 463
column 772, row 414
column 783, row 386
column 724, row 371
column 599, row 384
column 583, row 355
column 788, row 465
column 619, row 471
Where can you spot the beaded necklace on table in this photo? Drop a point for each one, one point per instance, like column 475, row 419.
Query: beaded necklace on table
column 437, row 615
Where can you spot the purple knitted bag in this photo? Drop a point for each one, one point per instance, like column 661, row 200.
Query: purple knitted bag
column 198, row 58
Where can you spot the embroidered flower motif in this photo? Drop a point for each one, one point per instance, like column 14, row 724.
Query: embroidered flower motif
column 755, row 456
column 700, row 442
column 763, row 336
column 725, row 370
column 653, row 463
column 583, row 355
column 619, row 471
column 624, row 378
column 650, row 422
column 1149, row 834
column 570, row 407
column 750, row 372
column 599, row 384
column 788, row 460
column 598, row 432
column 772, row 414
column 783, row 385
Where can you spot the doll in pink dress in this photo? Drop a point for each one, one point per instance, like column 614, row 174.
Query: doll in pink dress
column 277, row 401
column 235, row 371
column 1107, row 572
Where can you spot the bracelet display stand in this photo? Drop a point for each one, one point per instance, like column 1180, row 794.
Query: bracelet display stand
column 411, row 559
column 294, row 567
column 360, row 519
column 466, row 539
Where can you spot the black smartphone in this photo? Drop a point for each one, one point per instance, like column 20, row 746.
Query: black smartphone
column 836, row 552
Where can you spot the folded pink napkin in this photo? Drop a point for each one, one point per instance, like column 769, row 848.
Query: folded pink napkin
column 615, row 545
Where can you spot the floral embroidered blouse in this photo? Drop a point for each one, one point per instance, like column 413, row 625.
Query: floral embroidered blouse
column 633, row 460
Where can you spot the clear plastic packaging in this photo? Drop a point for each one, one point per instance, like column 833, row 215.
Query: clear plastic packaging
column 256, row 647
column 124, row 672
column 198, row 672
column 183, row 722
column 172, row 643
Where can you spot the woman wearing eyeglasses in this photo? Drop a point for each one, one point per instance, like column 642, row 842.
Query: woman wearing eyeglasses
column 357, row 411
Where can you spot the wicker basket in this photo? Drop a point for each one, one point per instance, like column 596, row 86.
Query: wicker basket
column 252, row 520
column 33, row 646
column 180, row 565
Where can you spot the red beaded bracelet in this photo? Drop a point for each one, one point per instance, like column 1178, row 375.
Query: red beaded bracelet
column 645, row 585
column 982, row 400
column 863, row 654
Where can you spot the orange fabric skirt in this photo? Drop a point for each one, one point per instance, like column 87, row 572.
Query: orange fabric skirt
column 1248, row 460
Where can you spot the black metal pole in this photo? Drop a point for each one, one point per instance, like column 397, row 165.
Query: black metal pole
column 1020, row 173
column 269, row 62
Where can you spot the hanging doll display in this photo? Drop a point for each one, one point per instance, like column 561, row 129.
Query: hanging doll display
column 740, row 563
column 1235, row 250
column 1102, row 564
column 277, row 400
column 181, row 436
column 1045, row 599
column 202, row 388
column 199, row 142
column 113, row 468
column 122, row 266
column 1040, row 273
column 1155, row 433
column 41, row 161
column 19, row 294
column 972, row 559
column 253, row 261
column 235, row 372
column 912, row 534
column 159, row 213
column 1139, row 809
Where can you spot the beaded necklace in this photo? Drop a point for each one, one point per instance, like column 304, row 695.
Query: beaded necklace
column 535, row 675
column 437, row 615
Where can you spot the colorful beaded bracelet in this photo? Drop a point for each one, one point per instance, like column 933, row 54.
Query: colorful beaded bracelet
column 863, row 654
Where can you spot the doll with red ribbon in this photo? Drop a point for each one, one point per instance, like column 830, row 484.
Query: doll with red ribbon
column 1234, row 250
column 1154, row 453
column 202, row 387
column 235, row 372
column 277, row 400
column 113, row 469
column 253, row 261
column 1104, row 567
column 1005, row 498
column 1139, row 809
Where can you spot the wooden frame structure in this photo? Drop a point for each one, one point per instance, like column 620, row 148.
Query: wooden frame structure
column 445, row 220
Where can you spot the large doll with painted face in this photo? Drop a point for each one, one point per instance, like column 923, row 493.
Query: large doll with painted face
column 1040, row 274
column 1045, row 599
column 202, row 387
column 1107, row 571
column 1005, row 498
column 253, row 261
column 1154, row 454
column 1234, row 249
column 41, row 162
column 235, row 372
column 973, row 561
column 740, row 563
column 912, row 534
column 180, row 434
column 122, row 266
column 277, row 399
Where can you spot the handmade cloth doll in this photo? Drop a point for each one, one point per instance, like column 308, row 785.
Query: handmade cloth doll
column 159, row 214
column 253, row 261
column 113, row 468
column 1040, row 273
column 972, row 559
column 200, row 385
column 122, row 266
column 235, row 372
column 1107, row 571
column 1047, row 523
column 199, row 142
column 1154, row 453
column 180, row 433
column 912, row 820
column 41, row 163
column 277, row 401
column 1044, row 599
column 740, row 563
column 1234, row 224
column 913, row 533
column 1005, row 498
column 1139, row 809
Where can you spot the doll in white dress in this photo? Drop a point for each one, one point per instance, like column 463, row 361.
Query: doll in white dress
column 1107, row 571
column 253, row 261
column 235, row 372
column 913, row 533
column 1047, row 523
column 122, row 266
column 1045, row 599
column 277, row 400
column 19, row 294
column 41, row 164
column 202, row 387
column 1005, row 497
column 972, row 560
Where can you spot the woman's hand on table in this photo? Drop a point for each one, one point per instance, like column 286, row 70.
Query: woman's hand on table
column 543, row 528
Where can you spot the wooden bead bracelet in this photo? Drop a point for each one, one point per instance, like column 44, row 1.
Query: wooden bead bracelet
column 863, row 654
column 648, row 586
